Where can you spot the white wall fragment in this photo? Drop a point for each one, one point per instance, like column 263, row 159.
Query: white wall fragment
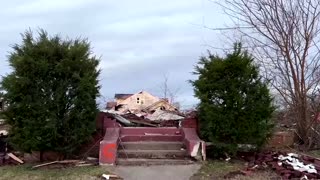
column 292, row 159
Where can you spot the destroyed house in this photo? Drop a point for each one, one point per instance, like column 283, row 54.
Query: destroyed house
column 141, row 101
column 144, row 129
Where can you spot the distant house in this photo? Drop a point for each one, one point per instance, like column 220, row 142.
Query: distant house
column 141, row 101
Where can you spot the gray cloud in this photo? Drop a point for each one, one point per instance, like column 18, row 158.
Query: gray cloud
column 138, row 41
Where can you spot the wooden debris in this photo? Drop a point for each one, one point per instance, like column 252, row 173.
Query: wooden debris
column 45, row 164
column 284, row 167
column 108, row 176
column 78, row 162
column 15, row 158
column 85, row 164
column 227, row 157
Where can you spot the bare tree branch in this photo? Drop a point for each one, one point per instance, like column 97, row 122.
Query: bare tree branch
column 284, row 37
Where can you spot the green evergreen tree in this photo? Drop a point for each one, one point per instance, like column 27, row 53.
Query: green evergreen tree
column 51, row 93
column 235, row 105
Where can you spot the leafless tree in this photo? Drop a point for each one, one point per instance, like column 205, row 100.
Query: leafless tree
column 169, row 93
column 102, row 101
column 164, row 86
column 284, row 36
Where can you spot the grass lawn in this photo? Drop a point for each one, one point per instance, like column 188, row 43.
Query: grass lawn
column 219, row 169
column 26, row 173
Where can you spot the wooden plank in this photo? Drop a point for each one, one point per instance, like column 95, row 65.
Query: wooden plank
column 60, row 162
column 15, row 158
column 45, row 164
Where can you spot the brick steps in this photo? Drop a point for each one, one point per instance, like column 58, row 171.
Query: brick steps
column 151, row 145
column 152, row 154
column 144, row 162
column 166, row 138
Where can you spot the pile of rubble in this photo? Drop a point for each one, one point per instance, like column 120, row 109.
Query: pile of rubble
column 287, row 165
column 143, row 109
column 158, row 118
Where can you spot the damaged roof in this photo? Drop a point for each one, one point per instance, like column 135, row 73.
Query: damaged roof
column 161, row 115
column 122, row 96
column 155, row 105
column 111, row 104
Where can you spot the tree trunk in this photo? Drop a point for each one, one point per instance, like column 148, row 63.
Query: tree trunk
column 303, row 123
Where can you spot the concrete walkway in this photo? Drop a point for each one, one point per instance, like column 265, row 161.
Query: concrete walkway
column 166, row 172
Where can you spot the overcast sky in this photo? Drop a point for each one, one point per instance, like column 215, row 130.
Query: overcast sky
column 139, row 41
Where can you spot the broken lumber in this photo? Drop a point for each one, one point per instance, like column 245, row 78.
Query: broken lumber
column 60, row 162
column 45, row 164
column 15, row 158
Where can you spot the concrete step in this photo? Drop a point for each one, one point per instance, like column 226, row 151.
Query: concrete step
column 143, row 162
column 152, row 145
column 133, row 138
column 152, row 154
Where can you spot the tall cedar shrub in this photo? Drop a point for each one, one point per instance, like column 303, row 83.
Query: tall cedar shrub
column 235, row 104
column 51, row 93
